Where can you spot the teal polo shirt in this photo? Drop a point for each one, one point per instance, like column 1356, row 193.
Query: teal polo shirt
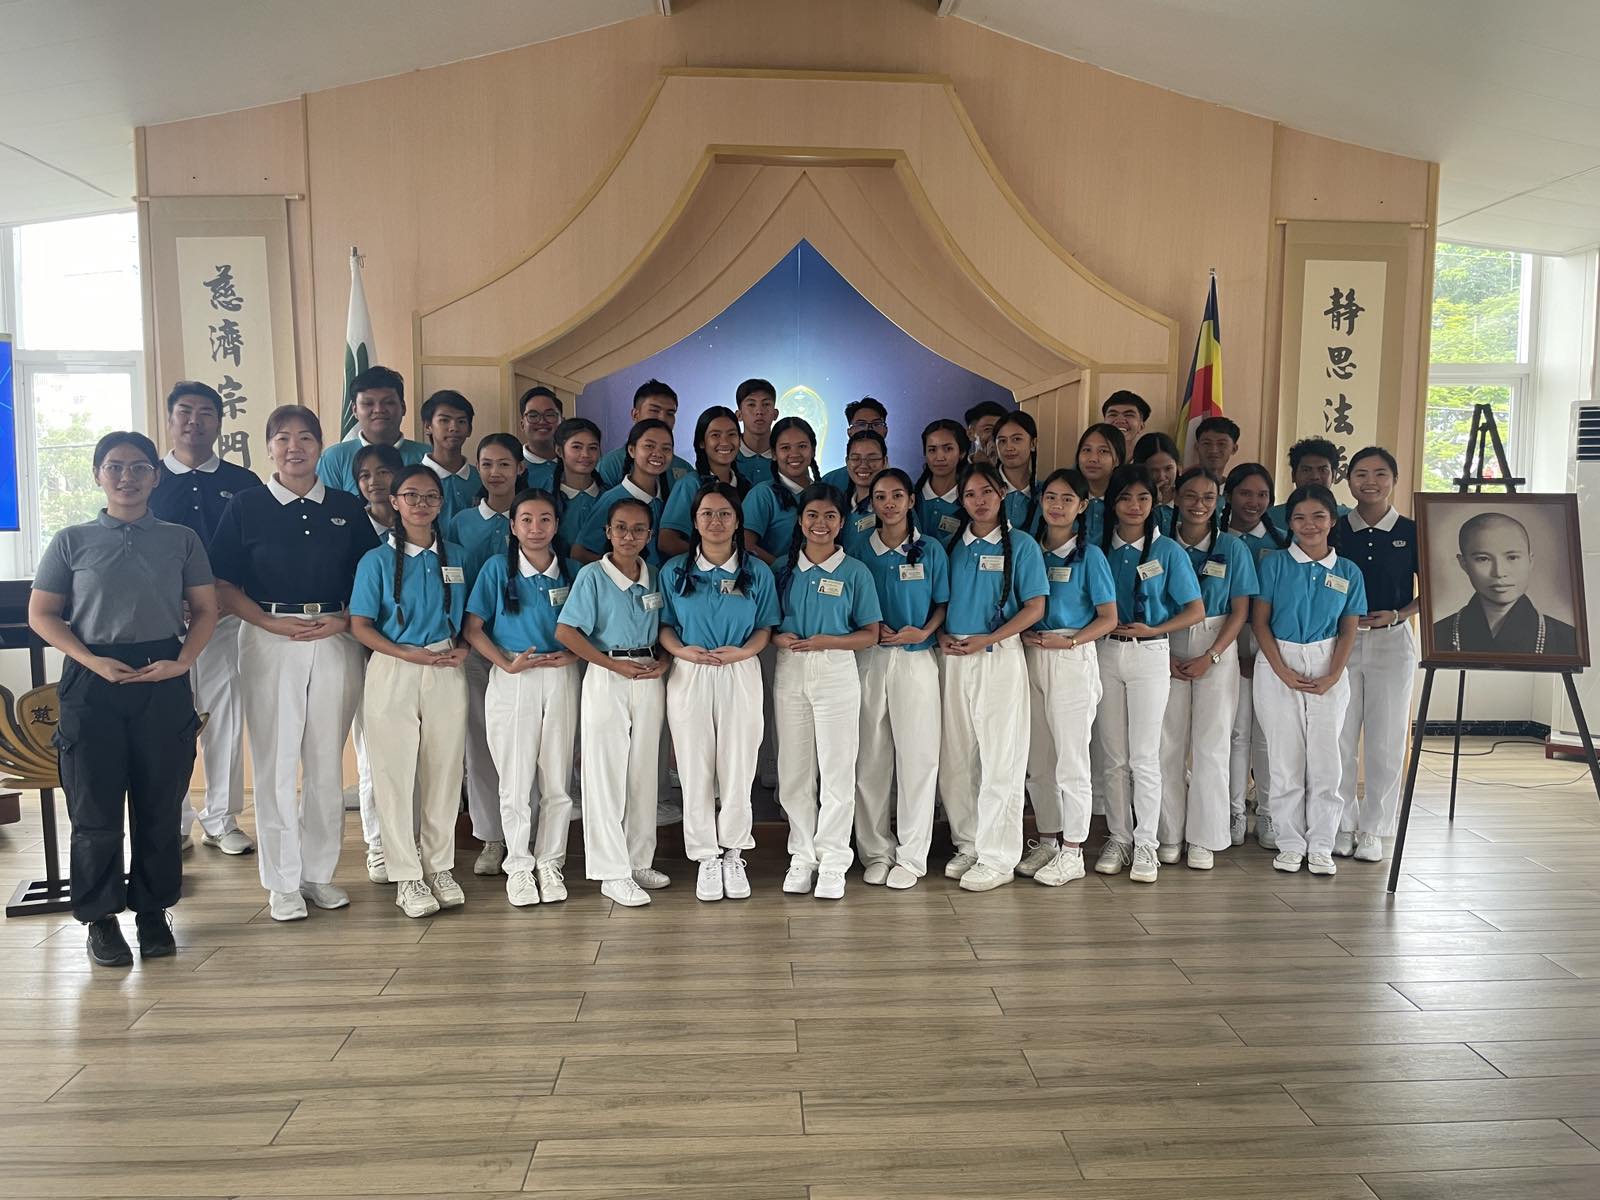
column 482, row 534
column 460, row 488
column 757, row 468
column 769, row 519
column 1307, row 600
column 1168, row 586
column 1078, row 585
column 1226, row 570
column 336, row 467
column 706, row 606
column 613, row 611
column 977, row 571
column 907, row 591
column 422, row 598
column 834, row 598
column 593, row 537
column 613, row 465
column 540, row 595
column 939, row 516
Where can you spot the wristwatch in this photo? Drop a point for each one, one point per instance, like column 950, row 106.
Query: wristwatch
column 1215, row 658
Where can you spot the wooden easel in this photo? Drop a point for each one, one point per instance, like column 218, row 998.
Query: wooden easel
column 1483, row 439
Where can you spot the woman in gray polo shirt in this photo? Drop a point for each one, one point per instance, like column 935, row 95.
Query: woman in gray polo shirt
column 110, row 595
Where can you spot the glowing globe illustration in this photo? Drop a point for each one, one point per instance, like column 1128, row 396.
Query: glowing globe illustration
column 800, row 401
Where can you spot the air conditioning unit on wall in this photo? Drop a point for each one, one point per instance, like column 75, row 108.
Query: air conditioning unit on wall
column 1583, row 478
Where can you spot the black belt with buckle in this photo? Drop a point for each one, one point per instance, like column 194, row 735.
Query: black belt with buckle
column 637, row 652
column 305, row 610
column 1122, row 637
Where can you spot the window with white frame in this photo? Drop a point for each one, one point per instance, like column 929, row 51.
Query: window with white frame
column 1483, row 317
column 72, row 296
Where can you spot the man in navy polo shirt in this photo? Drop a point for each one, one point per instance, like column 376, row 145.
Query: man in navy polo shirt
column 193, row 487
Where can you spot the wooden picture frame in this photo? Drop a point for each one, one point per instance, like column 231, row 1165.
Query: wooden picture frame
column 1506, row 613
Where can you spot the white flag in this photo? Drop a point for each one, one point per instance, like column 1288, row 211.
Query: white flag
column 359, row 353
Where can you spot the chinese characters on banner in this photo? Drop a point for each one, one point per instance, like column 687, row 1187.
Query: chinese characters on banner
column 1341, row 355
column 227, row 337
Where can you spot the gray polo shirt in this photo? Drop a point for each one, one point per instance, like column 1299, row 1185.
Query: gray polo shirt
column 124, row 581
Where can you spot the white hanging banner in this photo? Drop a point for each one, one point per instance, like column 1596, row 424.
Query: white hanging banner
column 1341, row 354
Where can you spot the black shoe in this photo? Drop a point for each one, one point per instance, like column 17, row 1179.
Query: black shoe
column 107, row 946
column 155, row 934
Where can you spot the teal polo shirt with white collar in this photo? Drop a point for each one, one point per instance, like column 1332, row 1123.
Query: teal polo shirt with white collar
column 908, row 591
column 537, row 472
column 482, row 535
column 460, row 488
column 757, row 468
column 834, row 598
column 977, row 571
column 613, row 611
column 336, row 467
column 708, row 608
column 769, row 519
column 593, row 537
column 1310, row 596
column 1169, row 581
column 613, row 465
column 540, row 596
column 1226, row 570
column 939, row 516
column 1078, row 585
column 423, row 616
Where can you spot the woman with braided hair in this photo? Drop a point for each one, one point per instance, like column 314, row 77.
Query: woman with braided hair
column 716, row 449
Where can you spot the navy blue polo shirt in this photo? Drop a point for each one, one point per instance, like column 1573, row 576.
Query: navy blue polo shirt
column 1385, row 552
column 197, row 496
column 279, row 548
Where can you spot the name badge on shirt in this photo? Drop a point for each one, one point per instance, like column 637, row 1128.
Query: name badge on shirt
column 991, row 562
column 1337, row 582
column 865, row 523
column 911, row 573
column 651, row 601
column 830, row 587
column 1214, row 570
column 1149, row 570
column 558, row 596
column 1060, row 574
column 728, row 587
column 336, row 520
column 453, row 574
column 225, row 495
column 1399, row 543
column 949, row 524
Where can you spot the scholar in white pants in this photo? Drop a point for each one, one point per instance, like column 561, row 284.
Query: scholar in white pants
column 483, row 781
column 415, row 738
column 1383, row 667
column 621, row 740
column 715, row 717
column 1135, row 678
column 899, row 752
column 984, row 755
column 299, row 698
column 1247, row 745
column 530, row 721
column 215, row 680
column 1304, row 732
column 816, row 697
column 1195, row 736
column 1063, row 691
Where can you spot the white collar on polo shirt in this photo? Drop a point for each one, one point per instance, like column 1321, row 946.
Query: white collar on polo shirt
column 992, row 537
column 1117, row 543
column 1384, row 523
column 746, row 452
column 569, row 492
column 533, row 460
column 794, row 487
column 702, row 563
column 527, row 570
column 1260, row 531
column 1065, row 549
column 487, row 513
column 412, row 549
column 178, row 467
column 284, row 496
column 394, row 445
column 1300, row 556
column 464, row 474
column 949, row 497
column 880, row 547
column 621, row 580
column 830, row 564
column 637, row 492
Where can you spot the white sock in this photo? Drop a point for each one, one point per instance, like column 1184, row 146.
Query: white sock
column 1049, row 841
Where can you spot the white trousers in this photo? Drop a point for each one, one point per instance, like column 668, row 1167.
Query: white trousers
column 483, row 781
column 1195, row 743
column 767, row 759
column 299, row 698
column 816, row 697
column 1135, row 678
column 1382, row 671
column 899, row 755
column 1247, row 744
column 415, row 741
column 984, row 754
column 1063, row 692
column 621, row 740
column 215, row 680
column 1303, row 730
column 715, row 717
column 530, row 723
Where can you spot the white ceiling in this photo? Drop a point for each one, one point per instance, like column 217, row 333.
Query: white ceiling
column 1503, row 93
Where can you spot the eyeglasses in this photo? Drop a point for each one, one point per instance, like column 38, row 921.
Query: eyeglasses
column 137, row 471
column 630, row 531
column 420, row 499
column 881, row 425
column 716, row 514
column 855, row 460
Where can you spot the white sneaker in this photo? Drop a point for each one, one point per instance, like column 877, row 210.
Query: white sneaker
column 1287, row 862
column 414, row 899
column 233, row 841
column 1168, row 853
column 984, row 878
column 1369, row 847
column 1040, row 854
column 1066, row 866
column 1321, row 864
column 901, row 878
column 377, row 868
column 797, row 879
column 1344, row 843
column 876, row 874
column 960, row 865
column 1115, row 855
column 650, row 879
column 325, row 895
column 186, row 843
column 1144, row 865
column 445, row 888
column 1266, row 837
column 708, row 883
column 735, row 882
column 1200, row 859
column 521, row 890
column 830, row 885
column 552, row 887
column 490, row 859
column 287, row 906
column 1236, row 828
column 625, row 892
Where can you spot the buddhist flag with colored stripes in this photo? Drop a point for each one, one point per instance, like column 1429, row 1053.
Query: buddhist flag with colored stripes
column 1202, row 397
column 358, row 351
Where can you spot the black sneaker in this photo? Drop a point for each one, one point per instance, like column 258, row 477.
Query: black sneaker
column 155, row 934
column 107, row 946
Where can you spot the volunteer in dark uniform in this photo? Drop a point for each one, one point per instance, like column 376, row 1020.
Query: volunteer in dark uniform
column 195, row 486
column 127, row 723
